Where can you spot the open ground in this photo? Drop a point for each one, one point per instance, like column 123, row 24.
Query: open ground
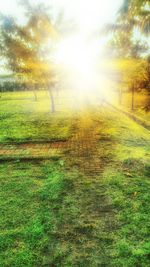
column 74, row 186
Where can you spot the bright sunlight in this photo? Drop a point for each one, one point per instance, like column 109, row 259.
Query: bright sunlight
column 80, row 53
column 80, row 56
column 74, row 133
column 83, row 51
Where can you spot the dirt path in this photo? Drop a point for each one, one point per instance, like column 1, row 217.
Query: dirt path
column 92, row 229
column 89, row 147
column 82, row 147
column 31, row 150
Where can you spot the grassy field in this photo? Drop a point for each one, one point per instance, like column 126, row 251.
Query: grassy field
column 54, row 212
column 140, row 101
column 23, row 118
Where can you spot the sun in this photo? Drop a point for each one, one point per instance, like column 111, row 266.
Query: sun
column 79, row 55
column 81, row 52
column 73, row 51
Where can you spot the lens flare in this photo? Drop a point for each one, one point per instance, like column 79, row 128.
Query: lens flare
column 80, row 57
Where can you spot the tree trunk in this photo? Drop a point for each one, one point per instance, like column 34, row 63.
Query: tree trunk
column 35, row 95
column 33, row 87
column 57, row 91
column 52, row 101
column 132, row 104
column 34, row 92
column 120, row 97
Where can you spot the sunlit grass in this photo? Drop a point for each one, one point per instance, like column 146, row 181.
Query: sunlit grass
column 54, row 214
column 23, row 118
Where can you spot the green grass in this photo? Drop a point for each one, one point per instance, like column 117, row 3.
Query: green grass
column 140, row 102
column 143, row 115
column 45, row 219
column 55, row 214
column 22, row 119
column 127, row 183
column 130, row 196
column 28, row 201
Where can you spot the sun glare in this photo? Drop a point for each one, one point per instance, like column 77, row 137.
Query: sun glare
column 90, row 14
column 81, row 52
column 79, row 56
column 83, row 49
column 77, row 53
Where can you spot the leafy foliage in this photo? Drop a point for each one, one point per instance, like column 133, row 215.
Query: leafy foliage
column 26, row 47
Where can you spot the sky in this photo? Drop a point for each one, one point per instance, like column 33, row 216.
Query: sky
column 89, row 14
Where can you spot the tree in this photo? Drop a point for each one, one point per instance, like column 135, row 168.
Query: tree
column 122, row 45
column 28, row 49
column 135, row 78
column 133, row 15
column 131, row 75
column 147, row 106
column 137, row 11
column 133, row 70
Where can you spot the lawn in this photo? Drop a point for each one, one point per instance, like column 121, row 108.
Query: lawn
column 54, row 212
column 140, row 102
column 23, row 119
